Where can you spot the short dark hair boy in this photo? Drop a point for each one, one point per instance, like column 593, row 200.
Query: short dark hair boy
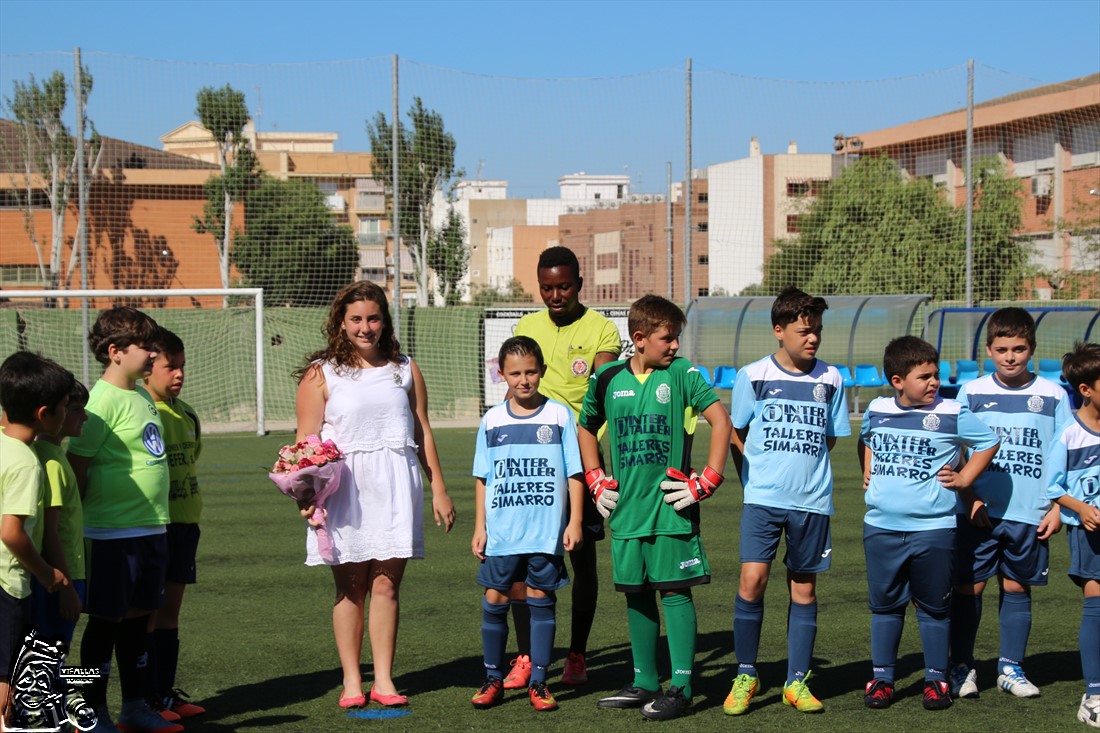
column 909, row 448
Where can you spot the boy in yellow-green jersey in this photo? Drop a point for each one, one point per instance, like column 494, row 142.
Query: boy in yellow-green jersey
column 182, row 445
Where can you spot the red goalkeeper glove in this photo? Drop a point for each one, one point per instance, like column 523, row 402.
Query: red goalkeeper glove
column 603, row 489
column 687, row 490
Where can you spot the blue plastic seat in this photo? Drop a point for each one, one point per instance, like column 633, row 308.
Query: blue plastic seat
column 966, row 370
column 846, row 375
column 866, row 376
column 1052, row 369
column 945, row 372
column 706, row 374
column 724, row 377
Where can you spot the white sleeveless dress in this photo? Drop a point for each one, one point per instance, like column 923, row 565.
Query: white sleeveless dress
column 378, row 512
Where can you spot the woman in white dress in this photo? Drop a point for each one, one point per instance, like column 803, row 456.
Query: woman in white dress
column 371, row 401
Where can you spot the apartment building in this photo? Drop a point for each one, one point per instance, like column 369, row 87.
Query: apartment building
column 139, row 222
column 1049, row 137
column 346, row 179
column 753, row 201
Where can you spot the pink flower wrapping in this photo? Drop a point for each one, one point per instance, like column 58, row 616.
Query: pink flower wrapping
column 309, row 473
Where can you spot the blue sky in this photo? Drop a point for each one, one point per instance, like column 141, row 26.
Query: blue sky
column 616, row 102
column 1049, row 41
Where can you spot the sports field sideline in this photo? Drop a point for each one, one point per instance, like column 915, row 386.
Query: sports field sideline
column 257, row 647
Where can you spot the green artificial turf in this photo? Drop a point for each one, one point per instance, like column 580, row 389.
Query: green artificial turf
column 257, row 648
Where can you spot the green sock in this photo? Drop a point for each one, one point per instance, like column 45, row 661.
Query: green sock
column 680, row 627
column 645, row 629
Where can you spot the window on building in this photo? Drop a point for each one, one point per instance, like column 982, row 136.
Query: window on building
column 21, row 275
column 702, row 226
column 792, row 223
column 703, row 292
column 704, row 198
column 1085, row 144
column 1033, row 154
column 704, row 259
column 798, row 188
column 619, row 191
column 16, row 198
column 370, row 231
column 596, row 196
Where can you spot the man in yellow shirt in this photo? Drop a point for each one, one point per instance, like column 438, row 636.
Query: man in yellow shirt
column 576, row 341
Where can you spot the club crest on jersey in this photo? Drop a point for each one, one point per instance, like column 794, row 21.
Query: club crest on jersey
column 151, row 407
column 664, row 394
column 150, row 437
column 820, row 393
column 1035, row 403
column 544, row 434
column 931, row 422
column 579, row 367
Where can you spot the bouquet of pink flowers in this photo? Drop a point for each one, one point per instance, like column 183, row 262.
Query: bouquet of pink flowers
column 309, row 473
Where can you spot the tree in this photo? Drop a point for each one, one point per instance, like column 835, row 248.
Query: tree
column 48, row 150
column 872, row 231
column 484, row 296
column 449, row 257
column 290, row 246
column 224, row 113
column 1080, row 229
column 426, row 164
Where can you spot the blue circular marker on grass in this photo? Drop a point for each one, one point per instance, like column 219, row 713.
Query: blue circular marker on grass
column 379, row 714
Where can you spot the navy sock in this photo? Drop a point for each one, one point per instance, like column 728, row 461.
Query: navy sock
column 934, row 632
column 1015, row 627
column 521, row 619
column 167, row 645
column 886, row 627
column 801, row 632
column 132, row 656
column 494, row 636
column 748, row 617
column 542, row 636
column 96, row 647
column 1090, row 645
column 966, row 616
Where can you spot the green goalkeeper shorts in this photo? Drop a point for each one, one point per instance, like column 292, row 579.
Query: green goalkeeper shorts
column 660, row 562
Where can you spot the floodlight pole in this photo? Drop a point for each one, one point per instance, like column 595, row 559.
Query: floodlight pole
column 81, row 221
column 395, row 159
column 668, row 231
column 687, row 189
column 970, row 183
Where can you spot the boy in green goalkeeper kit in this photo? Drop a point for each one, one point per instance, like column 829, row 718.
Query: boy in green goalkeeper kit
column 651, row 403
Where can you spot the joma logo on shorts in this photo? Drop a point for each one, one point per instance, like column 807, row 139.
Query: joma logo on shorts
column 689, row 563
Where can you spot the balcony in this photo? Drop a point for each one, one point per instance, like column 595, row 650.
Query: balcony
column 335, row 202
column 372, row 238
column 370, row 203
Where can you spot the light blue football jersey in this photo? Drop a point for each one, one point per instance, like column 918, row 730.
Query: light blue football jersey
column 909, row 445
column 1026, row 419
column 1073, row 467
column 789, row 415
column 526, row 463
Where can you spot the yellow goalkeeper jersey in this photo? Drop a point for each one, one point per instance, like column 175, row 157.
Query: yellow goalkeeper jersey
column 570, row 352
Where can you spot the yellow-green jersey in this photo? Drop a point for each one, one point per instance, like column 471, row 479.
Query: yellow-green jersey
column 127, row 482
column 651, row 422
column 570, row 352
column 182, row 445
column 63, row 494
column 22, row 487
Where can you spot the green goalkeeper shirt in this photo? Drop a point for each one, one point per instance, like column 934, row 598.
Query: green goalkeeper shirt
column 651, row 422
